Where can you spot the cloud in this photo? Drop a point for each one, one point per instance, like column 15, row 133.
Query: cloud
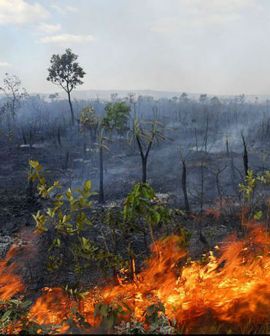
column 172, row 24
column 49, row 28
column 4, row 64
column 71, row 9
column 67, row 39
column 64, row 9
column 218, row 5
column 20, row 12
column 202, row 13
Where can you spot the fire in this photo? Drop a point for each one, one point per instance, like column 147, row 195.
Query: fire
column 231, row 289
column 52, row 308
column 10, row 284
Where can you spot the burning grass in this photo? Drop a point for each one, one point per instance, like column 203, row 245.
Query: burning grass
column 227, row 291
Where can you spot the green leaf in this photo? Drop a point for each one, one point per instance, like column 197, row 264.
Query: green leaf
column 258, row 215
column 87, row 185
column 34, row 164
column 6, row 315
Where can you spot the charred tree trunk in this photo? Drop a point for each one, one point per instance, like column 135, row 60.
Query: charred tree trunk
column 101, row 176
column 24, row 137
column 245, row 156
column 144, row 157
column 202, row 189
column 71, row 109
column 144, row 169
column 30, row 192
column 66, row 162
column 206, row 133
column 196, row 139
column 184, row 186
column 144, row 161
column 13, row 113
column 84, row 150
column 227, row 147
column 30, row 139
column 233, row 177
column 218, row 185
column 59, row 136
column 219, row 192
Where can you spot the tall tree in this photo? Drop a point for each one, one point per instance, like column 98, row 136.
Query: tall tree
column 101, row 139
column 145, row 137
column 12, row 88
column 90, row 121
column 67, row 73
column 117, row 116
column 183, row 98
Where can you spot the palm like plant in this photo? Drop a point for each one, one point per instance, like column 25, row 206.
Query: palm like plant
column 145, row 135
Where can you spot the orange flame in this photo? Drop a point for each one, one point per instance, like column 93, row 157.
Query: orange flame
column 10, row 284
column 232, row 289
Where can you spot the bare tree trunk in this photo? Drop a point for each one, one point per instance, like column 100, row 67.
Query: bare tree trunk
column 219, row 188
column 13, row 113
column 24, row 137
column 30, row 139
column 71, row 109
column 30, row 192
column 196, row 139
column 66, row 162
column 233, row 176
column 206, row 133
column 144, row 161
column 227, row 147
column 59, row 136
column 184, row 186
column 144, row 169
column 101, row 177
column 245, row 155
column 202, row 189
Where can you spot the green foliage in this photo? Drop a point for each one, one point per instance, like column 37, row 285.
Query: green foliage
column 184, row 237
column 147, row 133
column 152, row 312
column 157, row 323
column 54, row 261
column 66, row 216
column 11, row 312
column 251, row 181
column 248, row 190
column 258, row 215
column 142, row 204
column 109, row 314
column 75, row 293
column 264, row 178
column 248, row 187
column 131, row 327
column 65, row 71
column 66, row 213
column 88, row 118
column 13, row 317
column 163, row 326
column 117, row 115
column 113, row 218
column 77, row 322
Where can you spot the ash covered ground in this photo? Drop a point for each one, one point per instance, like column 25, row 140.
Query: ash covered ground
column 206, row 133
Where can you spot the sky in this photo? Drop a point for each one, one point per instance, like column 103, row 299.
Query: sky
column 196, row 46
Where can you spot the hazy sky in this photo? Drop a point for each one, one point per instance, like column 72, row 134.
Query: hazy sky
column 212, row 46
